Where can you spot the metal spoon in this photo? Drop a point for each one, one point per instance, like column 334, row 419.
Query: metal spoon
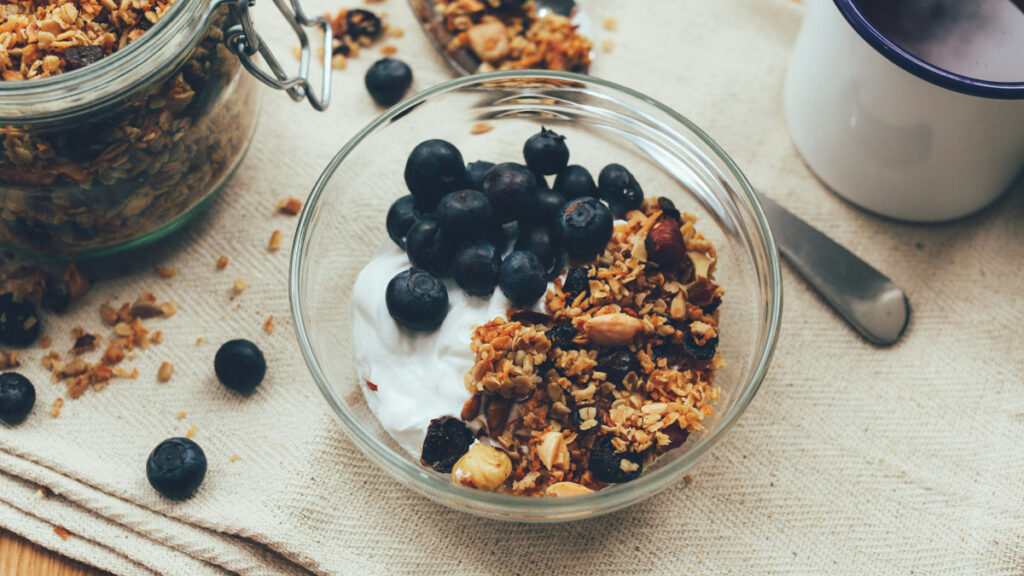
column 463, row 60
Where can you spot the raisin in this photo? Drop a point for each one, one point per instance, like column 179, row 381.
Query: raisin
column 668, row 209
column 606, row 464
column 56, row 296
column 19, row 323
column 561, row 336
column 76, row 57
column 446, row 441
column 618, row 364
column 676, row 436
column 577, row 280
column 362, row 24
column 698, row 352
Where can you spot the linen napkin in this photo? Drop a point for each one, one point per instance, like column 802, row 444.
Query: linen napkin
column 852, row 459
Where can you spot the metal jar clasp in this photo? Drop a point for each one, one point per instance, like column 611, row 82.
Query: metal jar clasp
column 245, row 42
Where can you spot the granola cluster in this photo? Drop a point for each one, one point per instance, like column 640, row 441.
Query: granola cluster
column 40, row 38
column 509, row 35
column 620, row 369
column 113, row 175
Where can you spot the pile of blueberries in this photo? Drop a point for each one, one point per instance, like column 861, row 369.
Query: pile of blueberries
column 177, row 466
column 459, row 220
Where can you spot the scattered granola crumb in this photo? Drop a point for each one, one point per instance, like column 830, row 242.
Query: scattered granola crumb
column 388, row 49
column 371, row 386
column 165, row 372
column 610, row 23
column 396, row 32
column 234, row 458
column 222, row 262
column 268, row 326
column 165, row 272
column 481, row 128
column 608, row 45
column 84, row 343
column 180, row 415
column 339, row 62
column 191, row 431
column 108, row 314
column 199, row 341
column 169, row 308
column 41, row 494
column 688, row 479
column 57, row 405
column 9, row 359
column 44, row 341
column 239, row 286
column 374, row 1
column 157, row 337
column 275, row 241
column 62, row 532
column 290, row 206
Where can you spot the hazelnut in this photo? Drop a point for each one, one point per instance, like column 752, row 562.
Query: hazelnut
column 664, row 243
column 615, row 329
column 489, row 40
column 483, row 468
column 553, row 452
column 567, row 489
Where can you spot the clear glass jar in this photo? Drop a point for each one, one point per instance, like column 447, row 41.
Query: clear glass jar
column 123, row 151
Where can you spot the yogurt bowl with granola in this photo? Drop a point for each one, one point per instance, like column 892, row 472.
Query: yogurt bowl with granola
column 547, row 306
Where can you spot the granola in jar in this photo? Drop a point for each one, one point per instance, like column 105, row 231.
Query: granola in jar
column 129, row 168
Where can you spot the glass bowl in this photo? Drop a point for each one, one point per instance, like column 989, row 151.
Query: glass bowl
column 342, row 224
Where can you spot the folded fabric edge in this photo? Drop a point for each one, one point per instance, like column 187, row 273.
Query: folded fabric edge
column 235, row 554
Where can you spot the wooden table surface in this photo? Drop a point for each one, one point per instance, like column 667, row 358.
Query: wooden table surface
column 19, row 557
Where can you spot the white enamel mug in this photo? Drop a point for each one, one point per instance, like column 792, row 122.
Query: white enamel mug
column 889, row 131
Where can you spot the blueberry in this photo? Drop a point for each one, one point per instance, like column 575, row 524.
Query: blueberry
column 619, row 189
column 176, row 468
column 475, row 172
column 545, row 152
column 618, row 364
column 434, row 168
column 541, row 241
column 446, row 441
column 510, row 188
column 19, row 323
column 428, row 248
column 547, row 205
column 698, row 352
column 522, row 278
column 240, row 365
column 464, row 215
column 606, row 464
column 401, row 216
column 17, row 396
column 561, row 336
column 387, row 80
column 476, row 266
column 584, row 227
column 577, row 280
column 575, row 182
column 417, row 300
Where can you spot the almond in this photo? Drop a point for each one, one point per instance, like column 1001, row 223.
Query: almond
column 497, row 415
column 553, row 452
column 664, row 243
column 471, row 408
column 616, row 329
column 567, row 489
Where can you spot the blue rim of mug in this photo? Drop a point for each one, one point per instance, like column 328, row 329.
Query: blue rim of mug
column 923, row 70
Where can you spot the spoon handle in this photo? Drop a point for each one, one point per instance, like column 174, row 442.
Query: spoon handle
column 869, row 301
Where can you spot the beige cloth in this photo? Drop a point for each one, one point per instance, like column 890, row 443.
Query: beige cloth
column 852, row 459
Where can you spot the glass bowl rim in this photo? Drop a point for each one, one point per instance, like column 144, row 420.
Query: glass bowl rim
column 482, row 501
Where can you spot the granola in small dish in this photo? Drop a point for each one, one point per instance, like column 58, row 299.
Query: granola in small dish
column 556, row 367
column 488, row 35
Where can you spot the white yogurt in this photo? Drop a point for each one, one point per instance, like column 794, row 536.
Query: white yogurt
column 419, row 375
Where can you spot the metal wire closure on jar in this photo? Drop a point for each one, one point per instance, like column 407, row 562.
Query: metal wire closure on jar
column 245, row 42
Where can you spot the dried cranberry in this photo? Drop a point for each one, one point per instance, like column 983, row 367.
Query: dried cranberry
column 362, row 24
column 76, row 57
column 577, row 280
column 446, row 441
column 561, row 336
column 618, row 364
column 606, row 464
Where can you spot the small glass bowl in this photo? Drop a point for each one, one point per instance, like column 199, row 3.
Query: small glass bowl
column 342, row 224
